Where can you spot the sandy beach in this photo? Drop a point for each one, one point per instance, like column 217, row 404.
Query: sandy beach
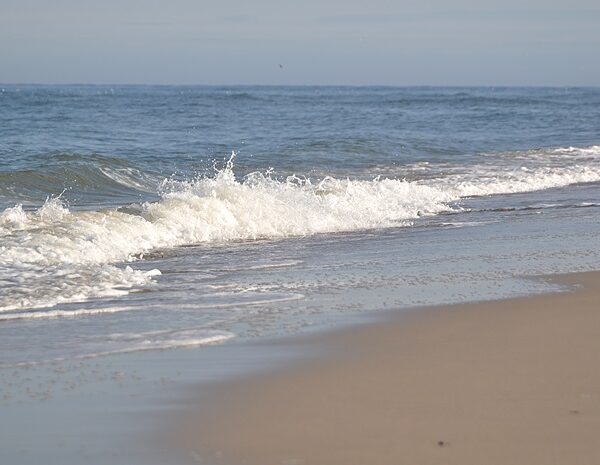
column 503, row 382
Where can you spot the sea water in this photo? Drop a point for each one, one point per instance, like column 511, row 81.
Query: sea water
column 135, row 219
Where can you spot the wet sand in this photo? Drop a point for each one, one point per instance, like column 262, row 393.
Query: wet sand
column 505, row 382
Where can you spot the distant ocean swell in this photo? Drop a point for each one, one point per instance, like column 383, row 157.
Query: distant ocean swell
column 53, row 255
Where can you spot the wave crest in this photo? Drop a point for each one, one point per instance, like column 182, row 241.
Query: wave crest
column 53, row 239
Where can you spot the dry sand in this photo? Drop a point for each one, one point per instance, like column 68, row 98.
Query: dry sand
column 506, row 382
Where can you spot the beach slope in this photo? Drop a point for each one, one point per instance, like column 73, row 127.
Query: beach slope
column 504, row 382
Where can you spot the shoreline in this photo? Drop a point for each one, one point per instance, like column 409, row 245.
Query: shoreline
column 508, row 381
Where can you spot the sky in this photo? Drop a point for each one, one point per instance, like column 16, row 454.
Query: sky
column 332, row 42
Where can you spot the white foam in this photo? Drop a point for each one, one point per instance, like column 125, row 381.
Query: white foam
column 122, row 343
column 31, row 287
column 213, row 210
column 61, row 313
column 593, row 150
column 483, row 181
column 54, row 255
column 160, row 340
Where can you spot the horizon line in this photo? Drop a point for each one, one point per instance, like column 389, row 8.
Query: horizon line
column 141, row 84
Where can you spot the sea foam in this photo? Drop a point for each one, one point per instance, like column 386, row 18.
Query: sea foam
column 54, row 255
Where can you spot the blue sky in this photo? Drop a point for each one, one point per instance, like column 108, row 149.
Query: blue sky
column 433, row 42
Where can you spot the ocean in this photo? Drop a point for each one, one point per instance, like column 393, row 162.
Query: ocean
column 136, row 219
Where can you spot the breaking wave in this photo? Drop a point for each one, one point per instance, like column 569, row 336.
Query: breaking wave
column 82, row 250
